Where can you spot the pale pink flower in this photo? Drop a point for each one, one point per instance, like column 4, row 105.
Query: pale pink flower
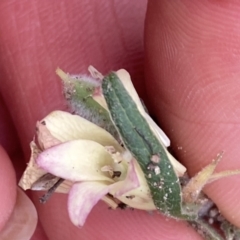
column 94, row 165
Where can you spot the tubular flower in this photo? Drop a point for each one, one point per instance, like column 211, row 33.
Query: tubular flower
column 91, row 162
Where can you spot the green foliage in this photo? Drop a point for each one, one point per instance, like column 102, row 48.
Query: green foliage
column 145, row 147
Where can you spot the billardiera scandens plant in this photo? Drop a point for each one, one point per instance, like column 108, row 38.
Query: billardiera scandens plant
column 111, row 149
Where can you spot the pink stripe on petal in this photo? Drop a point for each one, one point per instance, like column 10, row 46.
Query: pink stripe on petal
column 82, row 198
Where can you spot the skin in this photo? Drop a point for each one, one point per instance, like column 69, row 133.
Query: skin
column 191, row 86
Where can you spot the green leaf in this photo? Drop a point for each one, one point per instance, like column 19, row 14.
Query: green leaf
column 78, row 91
column 145, row 147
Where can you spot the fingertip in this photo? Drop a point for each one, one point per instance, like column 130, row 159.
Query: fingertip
column 23, row 220
column 7, row 187
column 193, row 82
column 103, row 223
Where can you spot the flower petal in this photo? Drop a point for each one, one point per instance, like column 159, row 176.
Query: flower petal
column 178, row 167
column 125, row 78
column 44, row 137
column 126, row 81
column 66, row 127
column 162, row 137
column 129, row 183
column 139, row 197
column 33, row 172
column 82, row 198
column 160, row 134
column 78, row 160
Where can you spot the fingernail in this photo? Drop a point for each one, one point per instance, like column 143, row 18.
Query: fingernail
column 23, row 220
